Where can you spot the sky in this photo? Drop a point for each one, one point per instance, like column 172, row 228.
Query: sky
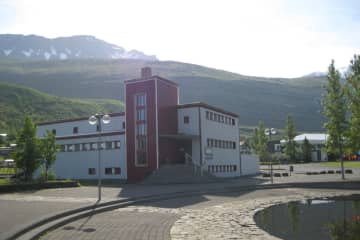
column 270, row 38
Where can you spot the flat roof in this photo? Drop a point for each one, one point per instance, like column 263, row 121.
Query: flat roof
column 207, row 106
column 76, row 119
column 149, row 79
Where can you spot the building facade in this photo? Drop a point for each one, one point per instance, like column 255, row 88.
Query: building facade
column 154, row 130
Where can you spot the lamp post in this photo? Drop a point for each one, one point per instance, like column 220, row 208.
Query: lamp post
column 97, row 119
column 270, row 131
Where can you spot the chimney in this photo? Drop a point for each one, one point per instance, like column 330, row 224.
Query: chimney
column 146, row 72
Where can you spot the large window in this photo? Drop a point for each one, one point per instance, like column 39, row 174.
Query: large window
column 140, row 130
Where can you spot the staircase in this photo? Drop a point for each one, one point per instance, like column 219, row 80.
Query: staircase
column 179, row 173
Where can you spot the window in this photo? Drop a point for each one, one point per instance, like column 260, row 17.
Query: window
column 207, row 116
column 140, row 100
column 141, row 129
column 186, row 119
column 93, row 146
column 70, row 148
column 75, row 130
column 53, row 131
column 91, row 171
column 140, row 114
column 222, row 118
column 211, row 116
column 117, row 144
column 77, row 147
column 234, row 145
column 97, row 127
column 208, row 142
column 141, row 143
column 232, row 121
column 108, row 171
column 117, row 171
column 85, row 146
column 108, row 145
column 62, row 148
column 123, row 125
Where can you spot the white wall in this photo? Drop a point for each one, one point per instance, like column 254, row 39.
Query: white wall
column 222, row 157
column 75, row 165
column 249, row 164
column 66, row 128
column 191, row 128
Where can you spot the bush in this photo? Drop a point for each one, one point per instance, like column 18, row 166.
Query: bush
column 51, row 176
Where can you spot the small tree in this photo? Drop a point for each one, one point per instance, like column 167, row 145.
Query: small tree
column 48, row 148
column 26, row 153
column 260, row 142
column 306, row 150
column 290, row 145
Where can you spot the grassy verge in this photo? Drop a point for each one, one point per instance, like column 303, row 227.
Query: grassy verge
column 5, row 181
column 9, row 171
column 8, row 185
column 347, row 164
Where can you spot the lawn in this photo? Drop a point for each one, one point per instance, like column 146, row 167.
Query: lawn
column 5, row 181
column 7, row 170
column 347, row 164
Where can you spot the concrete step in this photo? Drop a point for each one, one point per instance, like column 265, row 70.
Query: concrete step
column 178, row 173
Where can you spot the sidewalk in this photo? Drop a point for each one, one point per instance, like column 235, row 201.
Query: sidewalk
column 20, row 209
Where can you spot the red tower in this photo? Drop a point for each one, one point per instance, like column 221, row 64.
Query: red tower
column 150, row 113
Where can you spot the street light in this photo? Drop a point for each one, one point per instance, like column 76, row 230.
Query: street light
column 97, row 119
column 270, row 131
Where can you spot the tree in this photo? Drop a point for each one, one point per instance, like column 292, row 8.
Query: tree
column 353, row 96
column 260, row 142
column 26, row 153
column 48, row 148
column 306, row 150
column 290, row 145
column 334, row 104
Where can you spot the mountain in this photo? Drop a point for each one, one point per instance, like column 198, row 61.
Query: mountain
column 32, row 47
column 16, row 102
column 343, row 71
column 253, row 98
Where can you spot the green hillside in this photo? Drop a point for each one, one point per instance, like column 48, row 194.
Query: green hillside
column 17, row 101
column 253, row 98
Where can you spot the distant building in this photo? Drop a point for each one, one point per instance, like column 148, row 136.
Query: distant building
column 318, row 141
column 155, row 130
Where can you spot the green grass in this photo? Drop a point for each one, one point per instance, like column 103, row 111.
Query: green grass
column 5, row 181
column 338, row 164
column 7, row 170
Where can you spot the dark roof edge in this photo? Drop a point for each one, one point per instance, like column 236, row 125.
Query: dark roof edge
column 76, row 119
column 207, row 106
column 91, row 135
column 149, row 79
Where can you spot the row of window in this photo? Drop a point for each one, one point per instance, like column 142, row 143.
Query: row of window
column 219, row 118
column 216, row 143
column 77, row 147
column 76, row 129
column 108, row 171
column 221, row 168
column 140, row 130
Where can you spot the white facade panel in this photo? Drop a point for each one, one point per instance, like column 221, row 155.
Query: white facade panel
column 249, row 164
column 224, row 160
column 76, row 164
column 83, row 127
column 192, row 127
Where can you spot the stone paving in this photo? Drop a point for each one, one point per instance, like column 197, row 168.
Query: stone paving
column 235, row 220
column 220, row 217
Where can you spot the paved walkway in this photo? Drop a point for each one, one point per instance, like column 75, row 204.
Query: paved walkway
column 227, row 216
column 20, row 209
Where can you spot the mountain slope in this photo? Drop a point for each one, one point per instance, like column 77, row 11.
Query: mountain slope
column 17, row 101
column 253, row 98
column 32, row 47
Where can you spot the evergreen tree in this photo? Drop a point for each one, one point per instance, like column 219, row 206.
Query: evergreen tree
column 290, row 132
column 335, row 111
column 306, row 150
column 48, row 150
column 27, row 152
column 353, row 95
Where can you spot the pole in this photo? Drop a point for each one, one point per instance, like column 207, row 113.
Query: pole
column 99, row 158
column 342, row 161
column 271, row 167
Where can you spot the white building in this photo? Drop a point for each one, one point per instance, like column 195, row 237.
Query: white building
column 318, row 141
column 158, row 131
